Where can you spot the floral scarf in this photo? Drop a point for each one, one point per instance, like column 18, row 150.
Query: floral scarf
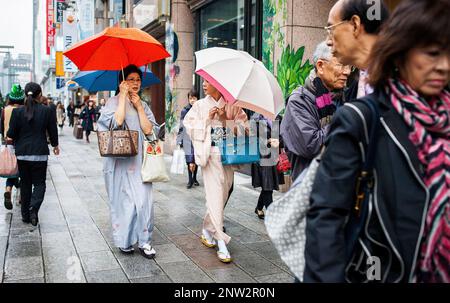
column 429, row 122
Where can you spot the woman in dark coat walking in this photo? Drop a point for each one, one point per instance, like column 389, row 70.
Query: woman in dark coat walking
column 28, row 128
column 71, row 112
column 265, row 173
column 88, row 116
column 184, row 142
column 406, row 231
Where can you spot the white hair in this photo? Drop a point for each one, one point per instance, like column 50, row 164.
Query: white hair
column 323, row 51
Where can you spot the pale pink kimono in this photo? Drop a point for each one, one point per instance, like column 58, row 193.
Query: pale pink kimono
column 216, row 177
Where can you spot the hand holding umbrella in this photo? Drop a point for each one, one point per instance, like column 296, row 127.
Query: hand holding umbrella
column 124, row 89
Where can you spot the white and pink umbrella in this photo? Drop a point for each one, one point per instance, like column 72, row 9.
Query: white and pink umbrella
column 242, row 80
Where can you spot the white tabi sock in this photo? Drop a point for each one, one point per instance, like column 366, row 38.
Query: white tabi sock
column 207, row 235
column 222, row 246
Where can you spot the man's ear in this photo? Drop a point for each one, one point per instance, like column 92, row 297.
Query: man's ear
column 319, row 67
column 355, row 21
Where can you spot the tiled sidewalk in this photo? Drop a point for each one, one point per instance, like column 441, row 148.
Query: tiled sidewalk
column 73, row 241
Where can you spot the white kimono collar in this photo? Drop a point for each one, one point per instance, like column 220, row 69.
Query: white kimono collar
column 220, row 104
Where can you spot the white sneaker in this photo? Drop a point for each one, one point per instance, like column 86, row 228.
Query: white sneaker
column 147, row 251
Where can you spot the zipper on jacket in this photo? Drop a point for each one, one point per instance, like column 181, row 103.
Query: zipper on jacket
column 366, row 230
column 391, row 134
column 402, row 263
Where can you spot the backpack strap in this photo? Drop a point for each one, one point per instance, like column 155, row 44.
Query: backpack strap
column 366, row 174
column 365, row 182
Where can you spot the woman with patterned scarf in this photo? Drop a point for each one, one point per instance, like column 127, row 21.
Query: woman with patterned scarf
column 408, row 219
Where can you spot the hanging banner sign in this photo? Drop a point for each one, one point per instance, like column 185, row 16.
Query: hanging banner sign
column 87, row 18
column 59, row 64
column 60, row 82
column 49, row 27
column 59, row 11
column 70, row 34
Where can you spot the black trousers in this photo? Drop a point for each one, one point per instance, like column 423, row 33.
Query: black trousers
column 10, row 182
column 192, row 175
column 32, row 185
column 265, row 199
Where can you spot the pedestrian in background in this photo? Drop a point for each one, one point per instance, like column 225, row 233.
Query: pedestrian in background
column 265, row 173
column 88, row 119
column 43, row 100
column 407, row 220
column 184, row 141
column 310, row 108
column 98, row 108
column 76, row 113
column 15, row 99
column 28, row 128
column 204, row 124
column 130, row 200
column 71, row 112
column 60, row 116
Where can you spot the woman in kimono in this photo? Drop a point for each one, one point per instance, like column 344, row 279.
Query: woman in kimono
column 204, row 124
column 131, row 201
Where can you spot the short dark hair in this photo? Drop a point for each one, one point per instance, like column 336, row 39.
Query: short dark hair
column 194, row 93
column 414, row 24
column 361, row 8
column 127, row 71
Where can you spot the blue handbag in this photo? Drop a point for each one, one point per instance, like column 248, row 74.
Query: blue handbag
column 239, row 150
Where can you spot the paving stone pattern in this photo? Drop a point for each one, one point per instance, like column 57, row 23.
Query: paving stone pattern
column 73, row 242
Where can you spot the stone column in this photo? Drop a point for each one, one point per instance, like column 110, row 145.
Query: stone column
column 304, row 26
column 183, row 24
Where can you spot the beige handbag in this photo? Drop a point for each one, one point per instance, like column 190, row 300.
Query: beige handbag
column 118, row 142
column 153, row 165
column 8, row 163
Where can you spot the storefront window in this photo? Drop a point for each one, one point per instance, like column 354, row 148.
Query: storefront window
column 222, row 24
column 232, row 24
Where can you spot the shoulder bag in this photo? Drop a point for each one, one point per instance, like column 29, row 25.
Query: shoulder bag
column 118, row 142
column 153, row 164
column 285, row 218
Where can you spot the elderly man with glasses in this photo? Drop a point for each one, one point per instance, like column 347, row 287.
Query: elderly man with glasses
column 311, row 107
column 353, row 26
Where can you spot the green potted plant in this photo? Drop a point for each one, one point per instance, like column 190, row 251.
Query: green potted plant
column 291, row 72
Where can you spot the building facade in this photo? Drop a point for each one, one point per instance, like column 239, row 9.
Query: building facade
column 280, row 33
column 273, row 31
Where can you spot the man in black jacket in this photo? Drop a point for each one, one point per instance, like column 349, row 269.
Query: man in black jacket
column 28, row 128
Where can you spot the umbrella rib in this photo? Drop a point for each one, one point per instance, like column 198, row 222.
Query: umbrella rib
column 229, row 59
column 95, row 52
column 125, row 49
column 245, row 82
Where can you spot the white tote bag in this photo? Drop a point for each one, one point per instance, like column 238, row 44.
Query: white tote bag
column 178, row 162
column 285, row 220
column 153, row 165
